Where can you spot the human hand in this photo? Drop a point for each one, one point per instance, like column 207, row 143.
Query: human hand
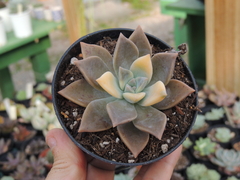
column 70, row 162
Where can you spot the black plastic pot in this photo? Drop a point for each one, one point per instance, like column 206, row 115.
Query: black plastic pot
column 75, row 50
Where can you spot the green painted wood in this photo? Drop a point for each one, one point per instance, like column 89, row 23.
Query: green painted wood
column 6, row 85
column 26, row 50
column 193, row 7
column 34, row 46
column 40, row 65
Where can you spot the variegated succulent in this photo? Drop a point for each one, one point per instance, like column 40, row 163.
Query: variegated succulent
column 126, row 90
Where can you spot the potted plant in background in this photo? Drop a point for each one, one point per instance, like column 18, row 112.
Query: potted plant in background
column 126, row 84
column 200, row 172
column 227, row 160
column 4, row 14
column 20, row 18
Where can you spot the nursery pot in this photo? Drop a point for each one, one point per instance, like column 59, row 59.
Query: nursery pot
column 73, row 51
column 3, row 36
column 22, row 25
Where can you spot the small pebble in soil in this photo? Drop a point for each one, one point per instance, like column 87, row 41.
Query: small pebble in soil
column 101, row 144
column 164, row 148
column 75, row 114
column 63, row 83
column 131, row 161
column 117, row 140
column 105, row 143
column 168, row 141
column 73, row 60
column 72, row 78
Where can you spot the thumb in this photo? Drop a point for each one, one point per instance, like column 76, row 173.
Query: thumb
column 69, row 160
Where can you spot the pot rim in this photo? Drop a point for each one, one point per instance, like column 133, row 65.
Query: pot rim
column 85, row 39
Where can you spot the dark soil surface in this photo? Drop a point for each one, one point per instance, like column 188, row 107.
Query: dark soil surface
column 107, row 144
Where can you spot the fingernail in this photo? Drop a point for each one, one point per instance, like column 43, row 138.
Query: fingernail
column 51, row 142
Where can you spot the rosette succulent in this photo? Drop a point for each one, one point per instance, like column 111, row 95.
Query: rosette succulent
column 126, row 90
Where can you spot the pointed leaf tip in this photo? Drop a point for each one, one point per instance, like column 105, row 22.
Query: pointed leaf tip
column 150, row 120
column 139, row 38
column 133, row 138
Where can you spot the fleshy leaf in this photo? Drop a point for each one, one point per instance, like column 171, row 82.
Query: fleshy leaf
column 141, row 83
column 124, row 54
column 92, row 68
column 142, row 67
column 135, row 139
column 154, row 94
column 95, row 117
column 95, row 50
column 121, row 112
column 81, row 93
column 110, row 84
column 163, row 67
column 134, row 97
column 176, row 92
column 124, row 76
column 129, row 88
column 150, row 120
column 139, row 38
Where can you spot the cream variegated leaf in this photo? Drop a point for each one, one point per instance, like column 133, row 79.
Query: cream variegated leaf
column 139, row 38
column 110, row 84
column 125, row 53
column 150, row 120
column 133, row 97
column 92, row 68
column 142, row 67
column 133, row 138
column 176, row 92
column 154, row 94
column 121, row 112
column 81, row 93
column 95, row 117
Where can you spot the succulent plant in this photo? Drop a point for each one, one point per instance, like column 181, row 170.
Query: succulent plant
column 233, row 114
column 223, row 134
column 229, row 159
column 232, row 178
column 21, row 133
column 6, row 125
column 201, row 172
column 205, row 146
column 127, row 90
column 12, row 161
column 36, row 146
column 187, row 143
column 30, row 169
column 215, row 114
column 220, row 98
column 199, row 122
column 4, row 145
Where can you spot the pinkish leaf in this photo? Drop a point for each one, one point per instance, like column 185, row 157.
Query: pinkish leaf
column 150, row 120
column 121, row 112
column 124, row 54
column 176, row 92
column 89, row 50
column 139, row 38
column 81, row 93
column 92, row 68
column 163, row 66
column 133, row 138
column 95, row 117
